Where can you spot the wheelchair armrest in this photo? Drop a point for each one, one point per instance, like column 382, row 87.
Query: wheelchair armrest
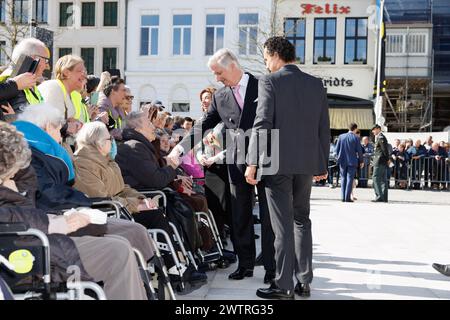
column 13, row 227
column 155, row 192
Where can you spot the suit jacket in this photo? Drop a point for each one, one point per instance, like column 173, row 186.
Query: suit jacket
column 295, row 104
column 381, row 153
column 348, row 149
column 225, row 108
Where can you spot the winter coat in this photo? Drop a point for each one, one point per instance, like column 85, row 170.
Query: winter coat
column 100, row 176
column 138, row 162
column 54, row 170
column 15, row 208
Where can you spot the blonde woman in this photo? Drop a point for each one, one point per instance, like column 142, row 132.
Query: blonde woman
column 70, row 76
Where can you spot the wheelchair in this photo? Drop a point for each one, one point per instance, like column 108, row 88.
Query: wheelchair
column 156, row 266
column 30, row 278
column 204, row 218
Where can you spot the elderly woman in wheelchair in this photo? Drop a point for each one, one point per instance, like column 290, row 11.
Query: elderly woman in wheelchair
column 98, row 175
column 109, row 259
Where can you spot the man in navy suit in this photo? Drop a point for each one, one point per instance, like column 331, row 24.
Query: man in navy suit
column 349, row 156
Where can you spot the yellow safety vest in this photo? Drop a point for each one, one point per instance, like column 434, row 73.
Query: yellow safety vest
column 81, row 111
column 118, row 122
column 32, row 96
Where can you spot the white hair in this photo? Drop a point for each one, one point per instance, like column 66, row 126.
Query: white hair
column 41, row 115
column 28, row 47
column 92, row 134
column 136, row 119
column 224, row 57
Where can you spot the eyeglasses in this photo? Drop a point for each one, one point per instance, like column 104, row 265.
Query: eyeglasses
column 47, row 60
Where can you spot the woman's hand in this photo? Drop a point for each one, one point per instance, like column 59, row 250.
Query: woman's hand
column 73, row 126
column 7, row 109
column 147, row 204
column 77, row 221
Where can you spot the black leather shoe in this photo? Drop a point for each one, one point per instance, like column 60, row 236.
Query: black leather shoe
column 240, row 274
column 303, row 290
column 442, row 268
column 273, row 292
column 269, row 277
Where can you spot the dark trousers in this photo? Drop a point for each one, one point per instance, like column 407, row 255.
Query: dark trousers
column 242, row 230
column 154, row 219
column 347, row 177
column 380, row 180
column 288, row 198
column 267, row 235
column 217, row 191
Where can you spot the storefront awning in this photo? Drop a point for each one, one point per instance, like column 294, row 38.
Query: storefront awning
column 340, row 118
column 345, row 110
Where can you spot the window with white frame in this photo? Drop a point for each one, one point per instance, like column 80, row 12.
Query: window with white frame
column 411, row 43
column 20, row 11
column 180, row 99
column 215, row 26
column 182, row 28
column 42, row 11
column 2, row 53
column 3, row 11
column 149, row 35
column 248, row 33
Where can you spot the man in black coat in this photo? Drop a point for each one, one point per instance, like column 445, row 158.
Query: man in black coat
column 235, row 106
column 292, row 106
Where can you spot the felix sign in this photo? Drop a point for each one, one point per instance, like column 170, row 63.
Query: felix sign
column 326, row 9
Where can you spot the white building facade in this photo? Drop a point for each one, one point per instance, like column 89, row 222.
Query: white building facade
column 336, row 41
column 94, row 30
column 169, row 44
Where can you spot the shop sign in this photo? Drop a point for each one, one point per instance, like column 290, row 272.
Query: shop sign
column 337, row 82
column 326, row 9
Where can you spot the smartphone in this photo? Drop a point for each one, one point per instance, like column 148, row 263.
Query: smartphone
column 93, row 100
column 34, row 65
column 24, row 64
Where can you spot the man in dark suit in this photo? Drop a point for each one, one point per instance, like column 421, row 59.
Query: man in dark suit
column 349, row 156
column 235, row 106
column 292, row 106
column 380, row 165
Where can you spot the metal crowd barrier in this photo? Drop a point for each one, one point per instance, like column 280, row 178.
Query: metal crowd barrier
column 424, row 173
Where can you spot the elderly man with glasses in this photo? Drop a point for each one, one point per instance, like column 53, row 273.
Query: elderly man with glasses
column 24, row 95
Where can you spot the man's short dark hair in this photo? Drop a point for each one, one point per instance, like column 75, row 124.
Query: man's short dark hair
column 92, row 83
column 353, row 126
column 188, row 119
column 376, row 127
column 282, row 46
column 114, row 85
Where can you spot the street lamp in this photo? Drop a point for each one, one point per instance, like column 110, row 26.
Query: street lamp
column 32, row 21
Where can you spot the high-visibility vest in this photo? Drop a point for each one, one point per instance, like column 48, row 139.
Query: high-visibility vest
column 81, row 111
column 118, row 122
column 32, row 96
